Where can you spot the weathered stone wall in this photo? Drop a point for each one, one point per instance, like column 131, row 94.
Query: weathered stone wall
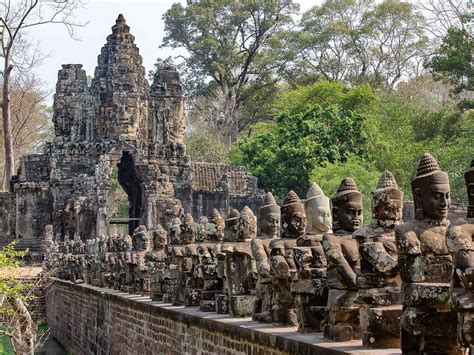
column 90, row 320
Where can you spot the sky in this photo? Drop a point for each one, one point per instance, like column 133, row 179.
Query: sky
column 143, row 17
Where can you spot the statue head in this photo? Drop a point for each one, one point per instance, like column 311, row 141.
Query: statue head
column 387, row 199
column 347, row 206
column 318, row 211
column 269, row 217
column 247, row 225
column 160, row 238
column 202, row 229
column 431, row 190
column 188, row 229
column 232, row 226
column 175, row 231
column 293, row 216
column 469, row 177
column 127, row 243
column 215, row 226
column 141, row 239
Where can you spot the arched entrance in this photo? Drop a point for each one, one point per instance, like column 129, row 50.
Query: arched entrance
column 128, row 179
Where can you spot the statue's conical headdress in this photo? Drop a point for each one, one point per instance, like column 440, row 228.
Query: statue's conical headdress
column 388, row 185
column 316, row 195
column 427, row 173
column 247, row 213
column 269, row 205
column 233, row 215
column 216, row 217
column 292, row 203
column 347, row 190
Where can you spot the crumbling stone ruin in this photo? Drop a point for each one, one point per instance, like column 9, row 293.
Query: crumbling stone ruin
column 120, row 122
column 389, row 283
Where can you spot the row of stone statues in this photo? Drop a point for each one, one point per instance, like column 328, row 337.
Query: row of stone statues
column 391, row 283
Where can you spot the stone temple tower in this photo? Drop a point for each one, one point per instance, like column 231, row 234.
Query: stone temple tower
column 121, row 87
column 118, row 122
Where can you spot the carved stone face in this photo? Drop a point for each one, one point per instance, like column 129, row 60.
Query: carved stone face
column 434, row 200
column 349, row 215
column 387, row 205
column 270, row 224
column 322, row 218
column 142, row 241
column 295, row 225
column 247, row 227
column 159, row 239
column 232, row 230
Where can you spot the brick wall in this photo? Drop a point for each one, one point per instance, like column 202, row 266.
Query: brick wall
column 89, row 320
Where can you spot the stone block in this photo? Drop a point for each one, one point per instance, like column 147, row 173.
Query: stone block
column 222, row 303
column 423, row 268
column 208, row 305
column 341, row 332
column 242, row 306
column 427, row 295
column 426, row 322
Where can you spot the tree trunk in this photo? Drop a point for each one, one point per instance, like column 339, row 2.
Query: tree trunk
column 7, row 127
column 23, row 329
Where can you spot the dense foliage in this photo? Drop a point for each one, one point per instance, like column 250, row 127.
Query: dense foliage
column 327, row 129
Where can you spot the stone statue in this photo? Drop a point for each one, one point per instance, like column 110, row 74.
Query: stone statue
column 343, row 263
column 460, row 240
column 310, row 288
column 240, row 272
column 184, row 261
column 140, row 277
column 378, row 280
column 231, row 232
column 428, row 322
column 174, row 252
column 283, row 268
column 208, row 252
column 268, row 229
column 156, row 261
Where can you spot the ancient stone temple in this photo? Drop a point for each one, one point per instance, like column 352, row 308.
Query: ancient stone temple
column 118, row 122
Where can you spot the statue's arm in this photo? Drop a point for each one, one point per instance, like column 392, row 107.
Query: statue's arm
column 261, row 258
column 334, row 255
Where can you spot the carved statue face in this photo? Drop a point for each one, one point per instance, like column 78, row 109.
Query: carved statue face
column 321, row 218
column 215, row 232
column 295, row 225
column 247, row 228
column 270, row 224
column 349, row 215
column 387, row 206
column 232, row 230
column 159, row 239
column 434, row 200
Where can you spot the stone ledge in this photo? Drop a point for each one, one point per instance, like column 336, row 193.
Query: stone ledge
column 282, row 338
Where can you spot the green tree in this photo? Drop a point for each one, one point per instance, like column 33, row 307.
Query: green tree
column 323, row 123
column 330, row 175
column 15, row 319
column 361, row 41
column 453, row 60
column 204, row 146
column 227, row 42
